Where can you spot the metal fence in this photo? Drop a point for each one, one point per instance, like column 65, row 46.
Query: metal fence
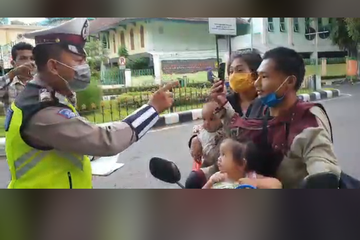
column 113, row 77
column 142, row 72
column 123, row 105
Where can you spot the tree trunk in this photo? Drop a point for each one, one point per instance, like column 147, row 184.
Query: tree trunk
column 353, row 52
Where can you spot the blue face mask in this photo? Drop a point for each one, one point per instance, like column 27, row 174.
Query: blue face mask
column 271, row 100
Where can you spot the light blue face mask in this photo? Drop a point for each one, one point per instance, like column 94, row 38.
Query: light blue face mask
column 81, row 79
column 271, row 100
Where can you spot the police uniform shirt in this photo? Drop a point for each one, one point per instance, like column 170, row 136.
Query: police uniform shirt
column 60, row 128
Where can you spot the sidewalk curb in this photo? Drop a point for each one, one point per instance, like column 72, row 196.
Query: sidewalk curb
column 195, row 114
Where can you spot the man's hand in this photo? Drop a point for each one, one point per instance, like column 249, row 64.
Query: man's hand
column 162, row 99
column 218, row 93
column 24, row 72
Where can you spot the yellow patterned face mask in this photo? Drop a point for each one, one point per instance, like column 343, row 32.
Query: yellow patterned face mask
column 241, row 82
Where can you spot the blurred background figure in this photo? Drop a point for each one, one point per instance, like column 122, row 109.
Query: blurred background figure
column 210, row 75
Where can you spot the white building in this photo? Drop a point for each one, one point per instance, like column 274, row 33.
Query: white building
column 296, row 33
column 184, row 42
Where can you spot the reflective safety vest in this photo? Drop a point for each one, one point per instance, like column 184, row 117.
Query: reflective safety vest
column 40, row 168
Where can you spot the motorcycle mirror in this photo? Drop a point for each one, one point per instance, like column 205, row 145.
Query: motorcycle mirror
column 164, row 170
column 321, row 181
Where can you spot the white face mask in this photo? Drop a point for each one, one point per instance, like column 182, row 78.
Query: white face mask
column 81, row 79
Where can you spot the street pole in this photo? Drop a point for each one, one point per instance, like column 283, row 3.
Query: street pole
column 251, row 34
column 2, row 60
column 217, row 51
column 229, row 45
column 316, row 52
column 316, row 47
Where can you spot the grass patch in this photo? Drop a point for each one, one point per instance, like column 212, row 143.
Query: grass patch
column 331, row 70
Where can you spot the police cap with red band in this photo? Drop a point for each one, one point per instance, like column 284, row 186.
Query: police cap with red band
column 71, row 35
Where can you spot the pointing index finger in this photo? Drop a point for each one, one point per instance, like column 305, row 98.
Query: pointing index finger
column 170, row 86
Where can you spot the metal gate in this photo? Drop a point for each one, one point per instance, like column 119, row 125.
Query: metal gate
column 113, row 77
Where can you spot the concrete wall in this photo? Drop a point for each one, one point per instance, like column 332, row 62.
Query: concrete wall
column 9, row 33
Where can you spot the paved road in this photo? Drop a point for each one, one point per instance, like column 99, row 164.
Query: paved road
column 171, row 143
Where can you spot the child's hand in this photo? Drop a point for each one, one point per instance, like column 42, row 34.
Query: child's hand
column 196, row 149
column 262, row 183
column 218, row 177
column 248, row 181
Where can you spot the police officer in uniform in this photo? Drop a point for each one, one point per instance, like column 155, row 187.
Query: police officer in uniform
column 47, row 142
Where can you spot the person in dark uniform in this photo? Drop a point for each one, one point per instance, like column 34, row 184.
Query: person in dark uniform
column 47, row 142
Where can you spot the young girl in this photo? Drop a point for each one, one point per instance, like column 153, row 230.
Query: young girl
column 234, row 169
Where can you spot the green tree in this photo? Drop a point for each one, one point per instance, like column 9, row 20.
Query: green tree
column 345, row 33
column 123, row 52
column 97, row 54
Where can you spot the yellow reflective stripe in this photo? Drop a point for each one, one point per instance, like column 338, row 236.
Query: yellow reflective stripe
column 21, row 160
column 72, row 158
column 30, row 165
column 22, row 166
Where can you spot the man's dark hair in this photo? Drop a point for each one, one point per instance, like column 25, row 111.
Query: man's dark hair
column 288, row 62
column 18, row 47
column 42, row 53
column 251, row 57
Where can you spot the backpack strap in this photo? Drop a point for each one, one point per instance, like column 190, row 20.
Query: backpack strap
column 327, row 116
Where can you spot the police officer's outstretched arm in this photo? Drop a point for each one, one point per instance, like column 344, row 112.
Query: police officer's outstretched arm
column 60, row 129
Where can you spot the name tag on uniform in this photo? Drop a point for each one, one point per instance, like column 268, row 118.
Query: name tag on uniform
column 9, row 114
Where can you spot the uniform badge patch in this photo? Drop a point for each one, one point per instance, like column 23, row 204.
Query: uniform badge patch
column 67, row 113
column 9, row 114
column 45, row 95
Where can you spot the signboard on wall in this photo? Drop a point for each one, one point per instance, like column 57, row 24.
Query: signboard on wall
column 187, row 66
column 223, row 26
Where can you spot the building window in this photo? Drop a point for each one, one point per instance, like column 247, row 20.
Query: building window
column 307, row 22
column 104, row 41
column 296, row 24
column 282, row 25
column 122, row 39
column 114, row 42
column 142, row 37
column 270, row 25
column 132, row 42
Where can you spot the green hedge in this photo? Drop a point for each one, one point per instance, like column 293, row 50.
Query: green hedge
column 197, row 86
column 90, row 96
column 119, row 91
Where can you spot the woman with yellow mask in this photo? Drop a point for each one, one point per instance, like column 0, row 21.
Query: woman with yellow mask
column 242, row 74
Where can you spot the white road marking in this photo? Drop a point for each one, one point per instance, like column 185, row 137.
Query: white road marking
column 342, row 96
column 173, row 127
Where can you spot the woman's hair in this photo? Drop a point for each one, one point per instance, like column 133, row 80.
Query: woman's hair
column 251, row 57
